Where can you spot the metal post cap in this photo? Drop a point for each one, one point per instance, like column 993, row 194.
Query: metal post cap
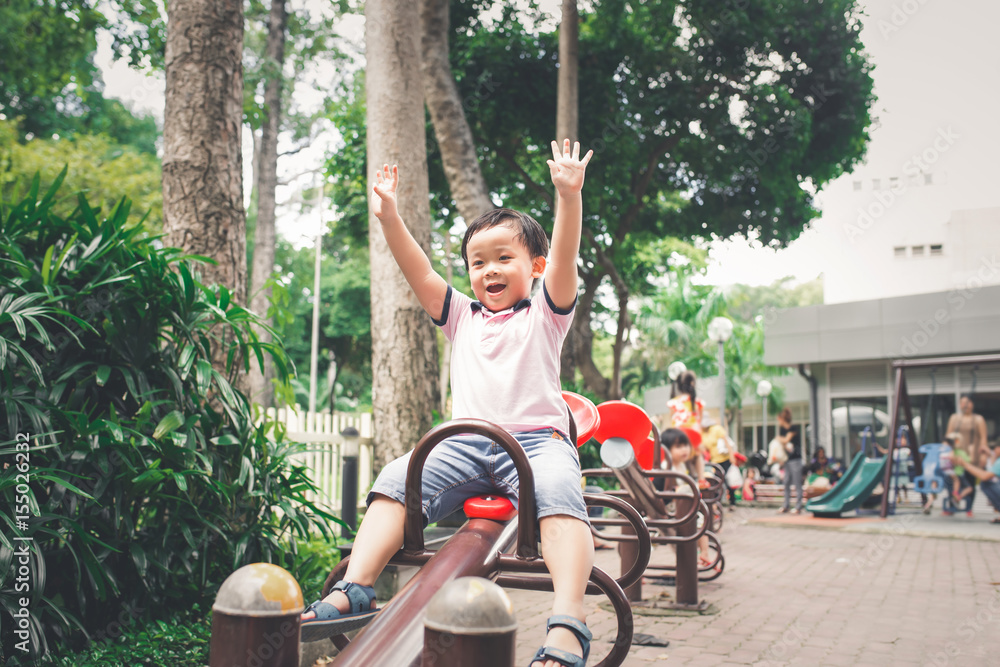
column 259, row 589
column 616, row 453
column 471, row 606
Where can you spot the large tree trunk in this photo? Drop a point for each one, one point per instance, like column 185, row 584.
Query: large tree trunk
column 458, row 151
column 568, row 127
column 202, row 161
column 581, row 354
column 261, row 388
column 404, row 349
column 568, row 84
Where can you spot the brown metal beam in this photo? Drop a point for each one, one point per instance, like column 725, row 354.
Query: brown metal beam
column 396, row 634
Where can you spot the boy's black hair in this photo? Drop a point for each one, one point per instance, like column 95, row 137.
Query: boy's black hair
column 529, row 233
column 674, row 436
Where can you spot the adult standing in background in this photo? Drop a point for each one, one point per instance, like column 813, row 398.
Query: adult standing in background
column 972, row 428
column 790, row 439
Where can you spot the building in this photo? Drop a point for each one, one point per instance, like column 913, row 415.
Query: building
column 848, row 348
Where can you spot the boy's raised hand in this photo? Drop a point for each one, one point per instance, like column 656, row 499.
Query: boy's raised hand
column 567, row 169
column 384, row 192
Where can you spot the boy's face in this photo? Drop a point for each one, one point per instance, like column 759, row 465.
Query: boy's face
column 500, row 268
column 680, row 452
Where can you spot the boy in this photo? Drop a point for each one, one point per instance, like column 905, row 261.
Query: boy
column 505, row 369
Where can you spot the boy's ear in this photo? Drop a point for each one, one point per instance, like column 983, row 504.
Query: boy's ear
column 537, row 267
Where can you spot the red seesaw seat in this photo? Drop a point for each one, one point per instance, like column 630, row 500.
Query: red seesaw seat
column 489, row 507
column 585, row 414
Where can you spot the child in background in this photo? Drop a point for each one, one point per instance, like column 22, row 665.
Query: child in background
column 749, row 483
column 505, row 369
column 679, row 445
column 952, row 458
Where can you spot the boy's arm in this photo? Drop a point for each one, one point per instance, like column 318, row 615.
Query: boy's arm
column 567, row 171
column 429, row 288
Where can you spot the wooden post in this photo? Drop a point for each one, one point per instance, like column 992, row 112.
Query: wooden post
column 470, row 621
column 256, row 619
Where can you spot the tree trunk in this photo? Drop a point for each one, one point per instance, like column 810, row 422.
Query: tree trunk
column 458, row 151
column 261, row 388
column 404, row 348
column 567, row 126
column 581, row 354
column 568, row 84
column 202, row 161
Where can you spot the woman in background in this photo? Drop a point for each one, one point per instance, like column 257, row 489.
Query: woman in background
column 790, row 439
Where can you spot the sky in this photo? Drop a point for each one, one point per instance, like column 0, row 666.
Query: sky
column 935, row 65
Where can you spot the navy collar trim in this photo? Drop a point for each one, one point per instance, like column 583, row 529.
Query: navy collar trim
column 478, row 305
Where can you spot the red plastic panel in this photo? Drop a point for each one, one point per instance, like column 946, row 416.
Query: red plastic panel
column 644, row 453
column 621, row 419
column 585, row 414
column 488, row 507
column 693, row 435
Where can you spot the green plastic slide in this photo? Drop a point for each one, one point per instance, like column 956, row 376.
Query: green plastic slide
column 853, row 488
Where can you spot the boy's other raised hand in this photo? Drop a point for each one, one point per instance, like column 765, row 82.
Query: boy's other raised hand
column 567, row 169
column 384, row 192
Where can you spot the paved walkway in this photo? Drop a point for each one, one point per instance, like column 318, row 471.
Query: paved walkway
column 909, row 590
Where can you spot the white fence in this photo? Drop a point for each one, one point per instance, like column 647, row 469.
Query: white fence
column 320, row 431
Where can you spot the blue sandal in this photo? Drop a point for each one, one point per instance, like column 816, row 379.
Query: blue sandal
column 583, row 636
column 329, row 621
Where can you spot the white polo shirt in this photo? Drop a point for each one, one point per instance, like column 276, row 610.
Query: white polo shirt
column 505, row 365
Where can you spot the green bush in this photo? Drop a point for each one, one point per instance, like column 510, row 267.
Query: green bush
column 148, row 480
column 180, row 641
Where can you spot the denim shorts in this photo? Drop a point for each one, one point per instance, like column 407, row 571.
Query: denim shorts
column 472, row 465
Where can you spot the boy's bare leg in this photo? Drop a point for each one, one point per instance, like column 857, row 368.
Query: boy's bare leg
column 568, row 552
column 379, row 536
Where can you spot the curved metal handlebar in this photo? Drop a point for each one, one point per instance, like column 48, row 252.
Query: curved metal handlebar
column 413, row 529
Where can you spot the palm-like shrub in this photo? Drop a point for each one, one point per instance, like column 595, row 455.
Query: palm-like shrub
column 149, row 479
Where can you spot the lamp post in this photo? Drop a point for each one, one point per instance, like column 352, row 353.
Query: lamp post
column 349, row 488
column 719, row 331
column 764, row 390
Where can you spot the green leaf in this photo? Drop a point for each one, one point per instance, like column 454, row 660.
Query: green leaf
column 168, row 424
column 103, row 373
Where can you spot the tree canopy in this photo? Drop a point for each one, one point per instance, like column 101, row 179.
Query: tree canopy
column 708, row 119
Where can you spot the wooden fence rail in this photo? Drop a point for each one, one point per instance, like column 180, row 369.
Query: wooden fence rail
column 321, row 433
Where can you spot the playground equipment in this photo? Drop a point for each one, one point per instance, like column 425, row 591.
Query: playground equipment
column 480, row 549
column 862, row 477
column 624, row 430
column 901, row 398
column 931, row 480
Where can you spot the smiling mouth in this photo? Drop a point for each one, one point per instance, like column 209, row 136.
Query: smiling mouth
column 495, row 288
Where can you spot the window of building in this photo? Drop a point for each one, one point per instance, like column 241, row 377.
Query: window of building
column 893, row 182
column 876, row 183
column 928, row 179
column 899, row 251
column 917, row 251
column 937, row 249
column 857, row 186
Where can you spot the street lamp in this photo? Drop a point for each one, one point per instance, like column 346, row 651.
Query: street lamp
column 349, row 487
column 719, row 331
column 764, row 390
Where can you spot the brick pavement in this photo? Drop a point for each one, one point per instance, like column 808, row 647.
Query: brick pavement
column 898, row 592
